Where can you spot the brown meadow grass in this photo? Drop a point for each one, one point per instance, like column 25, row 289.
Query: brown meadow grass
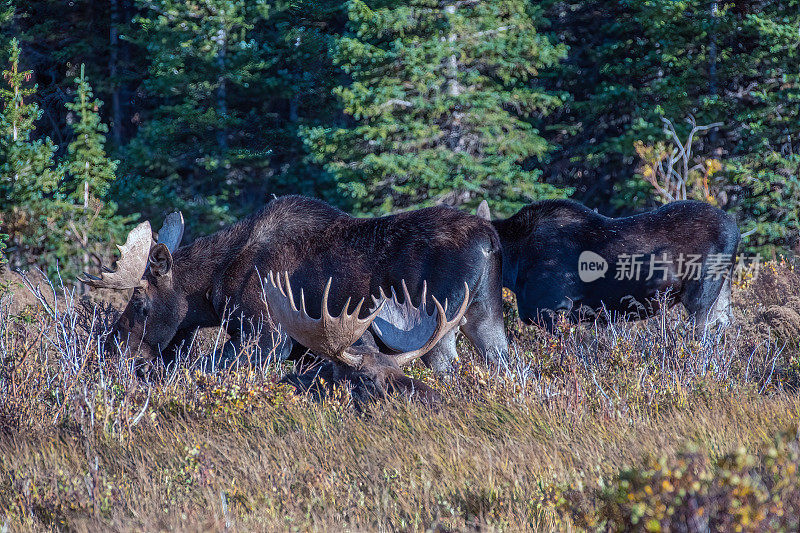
column 630, row 426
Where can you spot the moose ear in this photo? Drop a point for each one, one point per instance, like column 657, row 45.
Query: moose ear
column 171, row 232
column 160, row 260
column 483, row 211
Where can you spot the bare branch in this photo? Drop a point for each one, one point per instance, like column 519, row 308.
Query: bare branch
column 675, row 180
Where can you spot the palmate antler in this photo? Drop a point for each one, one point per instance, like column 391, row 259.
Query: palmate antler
column 131, row 264
column 402, row 327
column 327, row 336
column 411, row 330
column 135, row 253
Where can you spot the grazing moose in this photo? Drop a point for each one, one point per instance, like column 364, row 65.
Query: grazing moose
column 406, row 330
column 560, row 256
column 431, row 252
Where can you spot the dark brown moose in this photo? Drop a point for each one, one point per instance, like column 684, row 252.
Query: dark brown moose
column 180, row 289
column 560, row 256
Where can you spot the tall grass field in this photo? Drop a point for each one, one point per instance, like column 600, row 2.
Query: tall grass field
column 628, row 426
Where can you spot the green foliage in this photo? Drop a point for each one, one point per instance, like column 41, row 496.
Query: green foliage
column 769, row 205
column 89, row 169
column 29, row 176
column 3, row 246
column 438, row 101
column 196, row 149
column 766, row 162
column 53, row 212
column 91, row 223
column 27, row 170
column 232, row 80
column 378, row 106
column 737, row 492
column 58, row 37
column 633, row 62
column 630, row 64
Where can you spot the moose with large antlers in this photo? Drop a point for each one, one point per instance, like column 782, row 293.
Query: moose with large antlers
column 408, row 331
column 434, row 255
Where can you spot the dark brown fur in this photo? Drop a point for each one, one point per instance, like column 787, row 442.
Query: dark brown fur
column 543, row 241
column 220, row 275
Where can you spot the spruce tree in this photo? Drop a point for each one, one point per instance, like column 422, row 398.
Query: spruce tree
column 202, row 147
column 27, row 170
column 438, row 104
column 61, row 36
column 90, row 221
column 632, row 62
column 28, row 175
column 765, row 167
column 90, row 171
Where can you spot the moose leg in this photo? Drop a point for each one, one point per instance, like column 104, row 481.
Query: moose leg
column 720, row 312
column 179, row 344
column 708, row 301
column 723, row 312
column 486, row 331
column 440, row 359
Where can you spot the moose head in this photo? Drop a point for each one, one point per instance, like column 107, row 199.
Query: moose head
column 151, row 318
column 407, row 332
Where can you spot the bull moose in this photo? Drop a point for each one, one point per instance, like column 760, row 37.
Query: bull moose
column 437, row 254
column 561, row 257
column 352, row 354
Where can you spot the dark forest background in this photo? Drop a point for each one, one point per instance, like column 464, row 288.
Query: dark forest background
column 119, row 110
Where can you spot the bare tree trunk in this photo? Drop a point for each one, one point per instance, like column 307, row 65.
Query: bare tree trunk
column 712, row 58
column 14, row 127
column 113, row 61
column 454, row 88
column 84, row 239
column 222, row 89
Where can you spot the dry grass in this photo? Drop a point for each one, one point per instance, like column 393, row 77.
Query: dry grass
column 543, row 444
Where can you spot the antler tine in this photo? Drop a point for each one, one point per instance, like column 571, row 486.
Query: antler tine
column 329, row 336
column 443, row 326
column 357, row 310
column 303, row 302
column 275, row 281
column 131, row 264
column 325, row 294
column 378, row 301
column 408, row 296
column 288, row 290
column 371, row 317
